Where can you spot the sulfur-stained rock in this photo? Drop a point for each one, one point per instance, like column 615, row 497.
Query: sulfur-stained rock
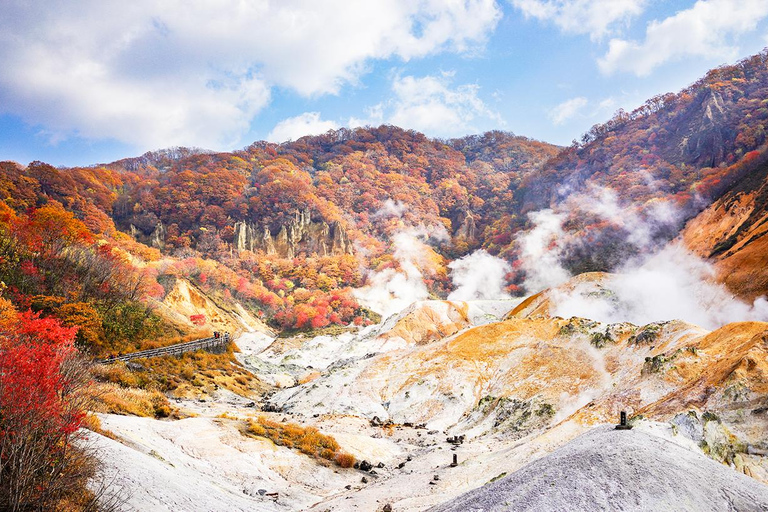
column 299, row 235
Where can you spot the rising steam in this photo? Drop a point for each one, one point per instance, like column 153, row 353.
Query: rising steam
column 391, row 290
column 663, row 282
column 478, row 276
column 541, row 250
column 671, row 284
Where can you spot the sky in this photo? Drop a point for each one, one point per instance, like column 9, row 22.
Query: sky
column 93, row 81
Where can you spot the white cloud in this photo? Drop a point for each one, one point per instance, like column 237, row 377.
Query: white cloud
column 375, row 117
column 166, row 73
column 431, row 104
column 705, row 30
column 308, row 123
column 593, row 17
column 567, row 110
column 428, row 104
column 607, row 104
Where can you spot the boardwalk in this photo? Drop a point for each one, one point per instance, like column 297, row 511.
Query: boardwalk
column 211, row 344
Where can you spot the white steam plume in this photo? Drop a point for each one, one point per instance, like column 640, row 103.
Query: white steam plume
column 478, row 276
column 657, row 214
column 390, row 208
column 671, row 284
column 541, row 249
column 390, row 291
column 662, row 284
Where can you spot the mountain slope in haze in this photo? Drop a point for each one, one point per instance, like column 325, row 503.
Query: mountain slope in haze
column 731, row 231
column 664, row 162
column 674, row 144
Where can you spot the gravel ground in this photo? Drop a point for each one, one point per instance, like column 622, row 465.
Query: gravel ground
column 607, row 469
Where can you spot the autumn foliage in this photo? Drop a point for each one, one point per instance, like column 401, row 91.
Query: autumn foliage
column 42, row 406
column 105, row 242
column 197, row 319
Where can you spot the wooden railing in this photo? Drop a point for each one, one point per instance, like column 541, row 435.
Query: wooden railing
column 211, row 344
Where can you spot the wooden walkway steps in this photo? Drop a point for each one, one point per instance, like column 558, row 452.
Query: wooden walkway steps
column 211, row 344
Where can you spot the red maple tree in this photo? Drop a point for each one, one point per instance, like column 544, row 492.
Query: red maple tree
column 42, row 406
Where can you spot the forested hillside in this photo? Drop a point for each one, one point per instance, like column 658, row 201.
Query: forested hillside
column 288, row 230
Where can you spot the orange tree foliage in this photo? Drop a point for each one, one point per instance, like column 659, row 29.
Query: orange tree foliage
column 81, row 315
column 344, row 176
column 197, row 319
column 302, row 293
column 51, row 252
column 51, row 261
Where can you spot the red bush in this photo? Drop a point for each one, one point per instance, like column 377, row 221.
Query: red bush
column 42, row 406
column 197, row 319
column 31, row 382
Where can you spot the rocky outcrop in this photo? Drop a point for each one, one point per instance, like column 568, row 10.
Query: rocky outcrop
column 733, row 231
column 705, row 141
column 157, row 238
column 250, row 238
column 185, row 299
column 467, row 229
column 299, row 235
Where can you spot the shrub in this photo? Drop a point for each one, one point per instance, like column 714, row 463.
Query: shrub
column 43, row 401
column 344, row 460
column 111, row 398
column 194, row 373
column 118, row 373
column 647, row 335
column 308, row 440
column 600, row 339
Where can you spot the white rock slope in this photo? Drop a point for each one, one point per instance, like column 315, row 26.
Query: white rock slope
column 606, row 469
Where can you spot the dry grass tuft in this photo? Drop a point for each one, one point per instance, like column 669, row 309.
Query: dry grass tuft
column 93, row 423
column 117, row 373
column 199, row 373
column 112, row 398
column 344, row 459
column 307, row 440
column 142, row 391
